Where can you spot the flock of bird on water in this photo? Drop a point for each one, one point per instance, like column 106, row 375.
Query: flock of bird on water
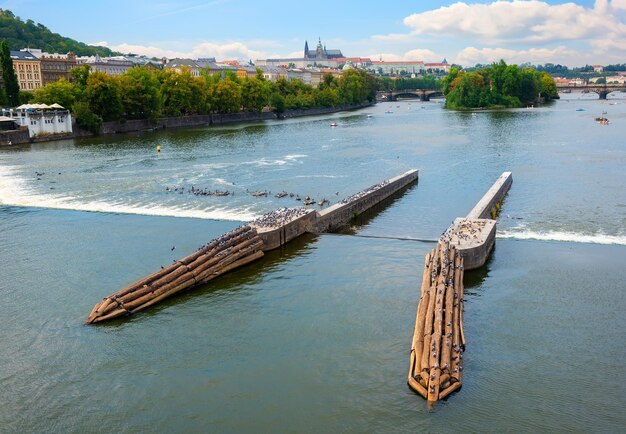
column 306, row 200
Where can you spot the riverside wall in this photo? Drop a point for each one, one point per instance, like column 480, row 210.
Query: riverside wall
column 134, row 126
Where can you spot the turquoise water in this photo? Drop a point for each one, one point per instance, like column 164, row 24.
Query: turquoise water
column 316, row 337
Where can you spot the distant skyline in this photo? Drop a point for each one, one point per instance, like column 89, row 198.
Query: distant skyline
column 572, row 33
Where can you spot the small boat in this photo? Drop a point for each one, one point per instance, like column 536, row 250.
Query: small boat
column 388, row 111
column 334, row 124
column 281, row 194
column 259, row 193
column 580, row 110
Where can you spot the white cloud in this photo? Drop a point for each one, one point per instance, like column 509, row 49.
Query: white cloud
column 422, row 54
column 619, row 4
column 470, row 56
column 221, row 51
column 520, row 21
column 392, row 37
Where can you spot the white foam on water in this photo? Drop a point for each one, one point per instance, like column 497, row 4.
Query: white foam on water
column 295, row 157
column 14, row 191
column 569, row 237
column 320, row 176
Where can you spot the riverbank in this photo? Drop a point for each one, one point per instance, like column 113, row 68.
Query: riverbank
column 13, row 138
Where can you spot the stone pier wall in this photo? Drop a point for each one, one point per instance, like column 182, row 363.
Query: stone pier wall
column 491, row 199
column 335, row 216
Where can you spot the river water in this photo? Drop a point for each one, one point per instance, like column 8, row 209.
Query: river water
column 316, row 337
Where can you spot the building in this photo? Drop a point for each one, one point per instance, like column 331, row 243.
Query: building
column 273, row 73
column 116, row 65
column 178, row 65
column 437, row 68
column 598, row 68
column 54, row 66
column 41, row 120
column 310, row 58
column 398, row 67
column 320, row 52
column 27, row 69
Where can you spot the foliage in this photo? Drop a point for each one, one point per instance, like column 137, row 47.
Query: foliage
column 497, row 85
column 277, row 102
column 25, row 97
column 80, row 74
column 254, row 93
column 60, row 92
column 140, row 94
column 85, row 118
column 20, row 34
column 182, row 93
column 429, row 82
column 103, row 96
column 11, row 85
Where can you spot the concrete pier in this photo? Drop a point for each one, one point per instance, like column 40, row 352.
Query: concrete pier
column 240, row 247
column 281, row 226
column 475, row 235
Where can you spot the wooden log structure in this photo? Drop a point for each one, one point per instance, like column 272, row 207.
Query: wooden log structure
column 233, row 249
column 436, row 360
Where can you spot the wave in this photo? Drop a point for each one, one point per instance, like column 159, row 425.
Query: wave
column 320, row 176
column 570, row 237
column 15, row 192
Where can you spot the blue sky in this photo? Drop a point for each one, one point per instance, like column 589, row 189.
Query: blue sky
column 468, row 32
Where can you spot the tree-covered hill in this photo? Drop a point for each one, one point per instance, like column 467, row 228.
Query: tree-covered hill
column 21, row 34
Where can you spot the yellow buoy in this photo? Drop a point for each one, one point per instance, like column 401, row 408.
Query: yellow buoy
column 158, row 148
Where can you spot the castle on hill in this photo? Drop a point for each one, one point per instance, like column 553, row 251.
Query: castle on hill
column 320, row 57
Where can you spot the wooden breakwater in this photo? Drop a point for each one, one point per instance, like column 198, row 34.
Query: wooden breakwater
column 436, row 361
column 239, row 247
column 231, row 250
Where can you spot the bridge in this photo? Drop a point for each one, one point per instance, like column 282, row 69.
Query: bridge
column 601, row 89
column 421, row 94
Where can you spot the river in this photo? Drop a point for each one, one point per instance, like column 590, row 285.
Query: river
column 316, row 337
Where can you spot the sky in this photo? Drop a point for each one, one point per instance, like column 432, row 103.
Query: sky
column 572, row 33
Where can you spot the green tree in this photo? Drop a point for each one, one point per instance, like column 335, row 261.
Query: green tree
column 254, row 94
column 80, row 75
column 547, row 86
column 277, row 101
column 85, row 118
column 11, row 85
column 61, row 92
column 226, row 96
column 182, row 94
column 140, row 94
column 103, row 96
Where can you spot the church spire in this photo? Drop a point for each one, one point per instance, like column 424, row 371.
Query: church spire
column 306, row 49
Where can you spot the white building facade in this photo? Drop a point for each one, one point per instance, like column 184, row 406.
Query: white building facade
column 41, row 122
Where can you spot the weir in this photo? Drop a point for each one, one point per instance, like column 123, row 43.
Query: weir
column 436, row 360
column 242, row 246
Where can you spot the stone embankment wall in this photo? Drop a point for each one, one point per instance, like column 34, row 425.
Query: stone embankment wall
column 132, row 126
column 14, row 137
